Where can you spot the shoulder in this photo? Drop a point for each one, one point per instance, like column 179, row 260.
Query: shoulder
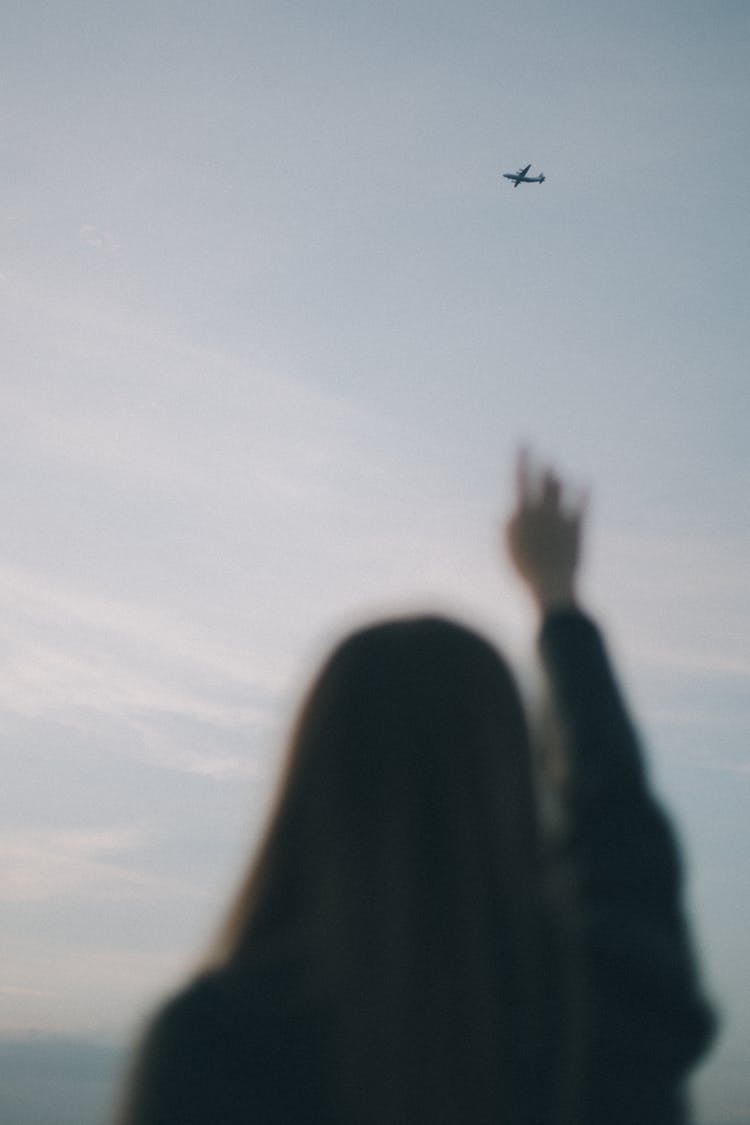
column 175, row 1048
column 230, row 1008
column 185, row 1014
column 231, row 1039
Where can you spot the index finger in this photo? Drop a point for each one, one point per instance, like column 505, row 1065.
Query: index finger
column 523, row 475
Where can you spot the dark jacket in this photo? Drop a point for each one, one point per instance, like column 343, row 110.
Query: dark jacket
column 648, row 1021
column 251, row 1048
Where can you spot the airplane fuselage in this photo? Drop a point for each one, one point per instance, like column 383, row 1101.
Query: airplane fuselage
column 522, row 177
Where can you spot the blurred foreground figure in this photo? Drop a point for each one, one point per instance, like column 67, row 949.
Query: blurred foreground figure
column 405, row 948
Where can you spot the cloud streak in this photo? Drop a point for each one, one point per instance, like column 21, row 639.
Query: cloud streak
column 55, row 863
column 103, row 240
column 95, row 664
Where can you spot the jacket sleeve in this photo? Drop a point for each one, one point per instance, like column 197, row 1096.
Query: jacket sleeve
column 649, row 1021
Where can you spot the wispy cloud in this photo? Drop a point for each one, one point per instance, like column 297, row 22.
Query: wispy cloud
column 38, row 600
column 149, row 686
column 49, row 863
column 701, row 660
column 44, row 991
column 97, row 239
column 14, row 990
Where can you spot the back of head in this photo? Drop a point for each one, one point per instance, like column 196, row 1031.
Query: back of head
column 403, row 859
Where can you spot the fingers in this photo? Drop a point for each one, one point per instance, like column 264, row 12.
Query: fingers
column 523, row 476
column 540, row 486
column 530, row 480
column 536, row 485
column 550, row 491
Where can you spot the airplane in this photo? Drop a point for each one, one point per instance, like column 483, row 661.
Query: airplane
column 522, row 177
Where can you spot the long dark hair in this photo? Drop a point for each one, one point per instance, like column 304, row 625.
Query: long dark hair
column 404, row 862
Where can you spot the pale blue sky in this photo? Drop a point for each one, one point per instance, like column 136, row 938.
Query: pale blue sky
column 273, row 326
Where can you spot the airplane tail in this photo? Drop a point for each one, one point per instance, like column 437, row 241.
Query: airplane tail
column 542, row 177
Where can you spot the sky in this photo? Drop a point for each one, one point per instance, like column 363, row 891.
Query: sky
column 273, row 328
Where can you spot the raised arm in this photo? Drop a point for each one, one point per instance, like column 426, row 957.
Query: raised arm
column 649, row 1021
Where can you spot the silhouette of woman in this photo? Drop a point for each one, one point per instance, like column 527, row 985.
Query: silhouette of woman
column 406, row 947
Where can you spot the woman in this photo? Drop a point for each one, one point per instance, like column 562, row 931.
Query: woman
column 404, row 948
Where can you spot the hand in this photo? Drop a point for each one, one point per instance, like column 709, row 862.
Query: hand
column 544, row 536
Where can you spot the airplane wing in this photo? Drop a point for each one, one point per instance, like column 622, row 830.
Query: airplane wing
column 522, row 171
